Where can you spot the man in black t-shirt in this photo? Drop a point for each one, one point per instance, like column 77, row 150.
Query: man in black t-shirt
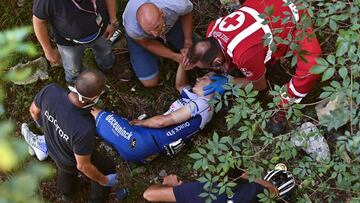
column 69, row 131
column 174, row 190
column 76, row 25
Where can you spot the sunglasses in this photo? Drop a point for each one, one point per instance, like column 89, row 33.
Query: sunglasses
column 81, row 97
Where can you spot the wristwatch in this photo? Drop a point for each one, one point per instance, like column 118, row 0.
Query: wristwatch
column 115, row 23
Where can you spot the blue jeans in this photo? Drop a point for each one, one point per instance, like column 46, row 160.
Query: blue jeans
column 71, row 57
column 145, row 63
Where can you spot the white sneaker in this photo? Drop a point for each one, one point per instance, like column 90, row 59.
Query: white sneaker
column 37, row 144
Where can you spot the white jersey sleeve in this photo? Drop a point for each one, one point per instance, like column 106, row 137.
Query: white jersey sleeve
column 199, row 106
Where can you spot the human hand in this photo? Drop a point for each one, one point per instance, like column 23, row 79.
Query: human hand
column 187, row 43
column 53, row 55
column 109, row 32
column 216, row 85
column 111, row 180
column 185, row 60
column 178, row 57
column 135, row 122
column 172, row 180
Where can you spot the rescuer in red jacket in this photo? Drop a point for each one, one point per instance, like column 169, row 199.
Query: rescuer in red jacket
column 236, row 43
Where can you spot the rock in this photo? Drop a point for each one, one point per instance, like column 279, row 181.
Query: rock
column 312, row 142
column 324, row 107
column 163, row 173
column 338, row 107
column 39, row 67
column 20, row 3
column 139, row 170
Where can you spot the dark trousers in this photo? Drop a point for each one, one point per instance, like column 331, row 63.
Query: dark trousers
column 67, row 182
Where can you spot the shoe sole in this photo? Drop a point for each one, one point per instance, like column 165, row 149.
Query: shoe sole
column 32, row 150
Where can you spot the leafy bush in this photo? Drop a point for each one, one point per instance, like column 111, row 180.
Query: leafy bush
column 22, row 181
column 250, row 147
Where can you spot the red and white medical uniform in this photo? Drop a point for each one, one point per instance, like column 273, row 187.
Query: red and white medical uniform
column 241, row 35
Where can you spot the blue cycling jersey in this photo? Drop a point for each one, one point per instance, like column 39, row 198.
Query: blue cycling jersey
column 141, row 144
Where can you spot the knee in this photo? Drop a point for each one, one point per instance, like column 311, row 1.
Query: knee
column 151, row 83
column 148, row 195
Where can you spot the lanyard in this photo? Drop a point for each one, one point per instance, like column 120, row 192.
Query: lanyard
column 93, row 3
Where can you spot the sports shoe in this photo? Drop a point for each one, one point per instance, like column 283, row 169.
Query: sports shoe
column 277, row 123
column 121, row 69
column 36, row 143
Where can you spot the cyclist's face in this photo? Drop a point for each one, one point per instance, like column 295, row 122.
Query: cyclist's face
column 201, row 82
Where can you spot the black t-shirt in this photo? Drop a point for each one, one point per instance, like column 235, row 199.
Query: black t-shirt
column 68, row 129
column 69, row 21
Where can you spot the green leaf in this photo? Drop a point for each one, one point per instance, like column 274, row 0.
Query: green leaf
column 342, row 48
column 248, row 88
column 331, row 59
column 211, row 158
column 328, row 74
column 343, row 72
column 243, row 128
column 218, row 107
column 293, row 61
column 324, row 95
column 215, row 137
column 322, row 61
column 318, row 69
column 269, row 10
column 333, row 25
column 195, row 156
column 201, row 150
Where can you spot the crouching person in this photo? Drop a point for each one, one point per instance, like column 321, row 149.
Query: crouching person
column 69, row 131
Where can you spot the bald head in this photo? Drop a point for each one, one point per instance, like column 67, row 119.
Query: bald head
column 90, row 83
column 148, row 16
column 204, row 51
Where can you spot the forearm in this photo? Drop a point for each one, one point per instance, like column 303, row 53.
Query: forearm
column 158, row 48
column 111, row 9
column 34, row 112
column 159, row 193
column 159, row 121
column 41, row 33
column 263, row 183
column 181, row 78
column 187, row 29
column 93, row 173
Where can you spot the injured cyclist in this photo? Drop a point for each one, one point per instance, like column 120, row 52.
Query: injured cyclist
column 141, row 141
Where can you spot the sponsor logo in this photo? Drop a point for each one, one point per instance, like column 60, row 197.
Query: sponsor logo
column 117, row 128
column 177, row 129
column 220, row 35
column 58, row 130
column 246, row 72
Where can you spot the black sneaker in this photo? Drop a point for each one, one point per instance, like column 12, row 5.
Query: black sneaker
column 121, row 69
column 122, row 193
column 277, row 123
column 122, row 73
